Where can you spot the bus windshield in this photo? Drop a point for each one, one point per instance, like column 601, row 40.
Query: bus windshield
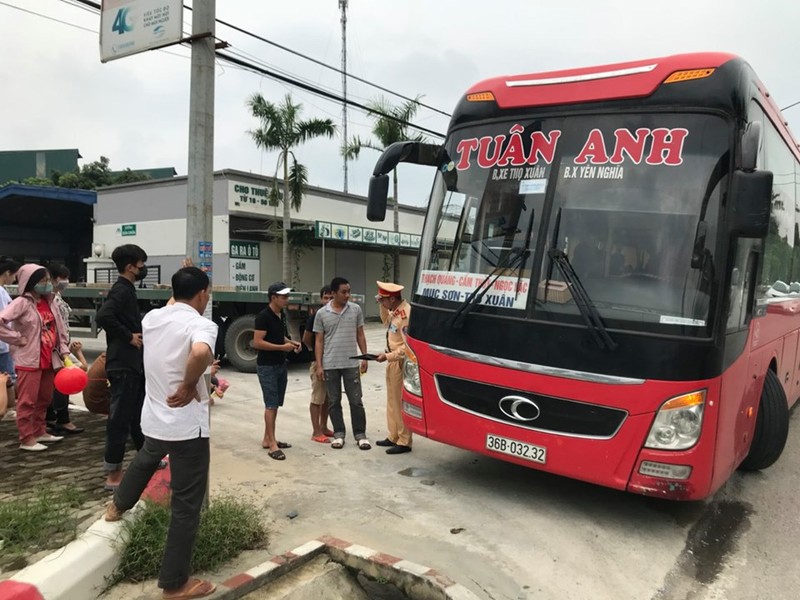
column 631, row 199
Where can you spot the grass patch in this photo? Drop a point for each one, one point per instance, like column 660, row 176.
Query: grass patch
column 227, row 527
column 46, row 519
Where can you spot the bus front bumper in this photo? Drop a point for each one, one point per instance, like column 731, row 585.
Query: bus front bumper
column 618, row 462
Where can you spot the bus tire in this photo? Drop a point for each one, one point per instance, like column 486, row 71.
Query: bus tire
column 238, row 344
column 772, row 426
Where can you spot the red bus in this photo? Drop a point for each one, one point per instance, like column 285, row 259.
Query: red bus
column 608, row 285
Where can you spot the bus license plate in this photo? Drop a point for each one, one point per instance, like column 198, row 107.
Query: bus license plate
column 516, row 448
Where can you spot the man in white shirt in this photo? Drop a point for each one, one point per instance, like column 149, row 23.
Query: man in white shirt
column 178, row 347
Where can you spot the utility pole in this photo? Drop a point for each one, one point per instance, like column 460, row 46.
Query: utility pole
column 199, row 201
column 343, row 8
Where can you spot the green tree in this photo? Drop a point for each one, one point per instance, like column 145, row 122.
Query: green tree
column 282, row 130
column 391, row 125
column 128, row 176
column 89, row 177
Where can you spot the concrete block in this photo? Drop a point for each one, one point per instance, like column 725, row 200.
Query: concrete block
column 78, row 570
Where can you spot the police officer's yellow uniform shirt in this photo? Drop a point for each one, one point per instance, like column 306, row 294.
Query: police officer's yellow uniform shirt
column 395, row 322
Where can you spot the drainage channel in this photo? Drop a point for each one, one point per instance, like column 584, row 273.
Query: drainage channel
column 323, row 577
column 332, row 568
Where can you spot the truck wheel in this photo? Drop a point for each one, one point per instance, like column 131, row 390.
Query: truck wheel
column 238, row 344
column 772, row 426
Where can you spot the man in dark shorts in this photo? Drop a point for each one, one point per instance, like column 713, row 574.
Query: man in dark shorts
column 272, row 343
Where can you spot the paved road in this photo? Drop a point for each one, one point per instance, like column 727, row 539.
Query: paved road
column 525, row 534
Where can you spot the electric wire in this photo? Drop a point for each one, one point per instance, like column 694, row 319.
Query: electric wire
column 321, row 92
column 96, row 6
column 292, row 79
column 30, row 12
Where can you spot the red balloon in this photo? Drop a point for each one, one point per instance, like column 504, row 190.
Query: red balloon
column 71, row 380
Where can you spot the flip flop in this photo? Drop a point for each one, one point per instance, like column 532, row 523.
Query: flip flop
column 198, row 588
column 284, row 445
column 277, row 455
column 363, row 444
column 322, row 439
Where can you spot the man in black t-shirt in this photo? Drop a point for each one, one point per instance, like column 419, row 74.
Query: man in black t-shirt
column 272, row 343
column 319, row 394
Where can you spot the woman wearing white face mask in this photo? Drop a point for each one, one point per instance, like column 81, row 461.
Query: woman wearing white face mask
column 39, row 344
column 58, row 419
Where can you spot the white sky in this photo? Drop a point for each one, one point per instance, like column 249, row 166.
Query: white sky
column 57, row 94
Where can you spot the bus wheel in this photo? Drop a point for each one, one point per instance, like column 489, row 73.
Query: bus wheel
column 238, row 344
column 772, row 426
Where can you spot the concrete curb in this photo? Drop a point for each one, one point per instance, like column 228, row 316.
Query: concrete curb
column 78, row 571
column 416, row 580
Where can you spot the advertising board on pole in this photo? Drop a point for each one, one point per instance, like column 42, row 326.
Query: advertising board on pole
column 131, row 26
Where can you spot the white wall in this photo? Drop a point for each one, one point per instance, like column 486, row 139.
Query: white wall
column 167, row 238
column 158, row 209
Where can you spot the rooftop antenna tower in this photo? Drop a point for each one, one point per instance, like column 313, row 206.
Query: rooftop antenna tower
column 343, row 8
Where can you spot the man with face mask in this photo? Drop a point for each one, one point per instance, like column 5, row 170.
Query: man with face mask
column 121, row 319
column 178, row 347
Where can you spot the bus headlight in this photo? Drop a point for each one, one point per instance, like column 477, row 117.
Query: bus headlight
column 411, row 374
column 678, row 423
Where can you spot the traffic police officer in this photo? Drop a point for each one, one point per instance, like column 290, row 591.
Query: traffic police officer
column 394, row 314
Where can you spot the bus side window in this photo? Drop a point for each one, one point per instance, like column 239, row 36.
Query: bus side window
column 741, row 288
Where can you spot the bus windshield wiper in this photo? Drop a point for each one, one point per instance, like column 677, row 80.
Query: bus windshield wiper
column 514, row 255
column 584, row 303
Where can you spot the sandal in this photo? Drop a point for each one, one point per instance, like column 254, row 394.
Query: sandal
column 322, row 439
column 337, row 443
column 284, row 445
column 112, row 513
column 195, row 588
column 277, row 455
column 363, row 444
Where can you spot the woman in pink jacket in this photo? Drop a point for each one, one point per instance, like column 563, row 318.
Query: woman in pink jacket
column 38, row 346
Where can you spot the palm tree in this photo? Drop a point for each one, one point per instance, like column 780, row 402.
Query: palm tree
column 282, row 130
column 391, row 125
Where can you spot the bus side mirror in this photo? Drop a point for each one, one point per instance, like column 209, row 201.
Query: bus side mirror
column 376, row 199
column 750, row 202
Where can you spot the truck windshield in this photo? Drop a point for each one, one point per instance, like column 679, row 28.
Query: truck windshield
column 632, row 201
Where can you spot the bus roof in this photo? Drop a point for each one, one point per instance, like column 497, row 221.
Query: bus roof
column 613, row 82
column 617, row 81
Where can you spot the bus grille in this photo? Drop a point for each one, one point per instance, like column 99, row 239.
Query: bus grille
column 555, row 415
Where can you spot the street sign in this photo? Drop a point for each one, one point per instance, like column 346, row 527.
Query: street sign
column 132, row 26
column 129, row 229
column 245, row 267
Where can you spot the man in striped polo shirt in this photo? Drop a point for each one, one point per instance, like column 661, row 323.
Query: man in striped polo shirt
column 340, row 325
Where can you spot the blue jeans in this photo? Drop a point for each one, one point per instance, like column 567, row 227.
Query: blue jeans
column 273, row 380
